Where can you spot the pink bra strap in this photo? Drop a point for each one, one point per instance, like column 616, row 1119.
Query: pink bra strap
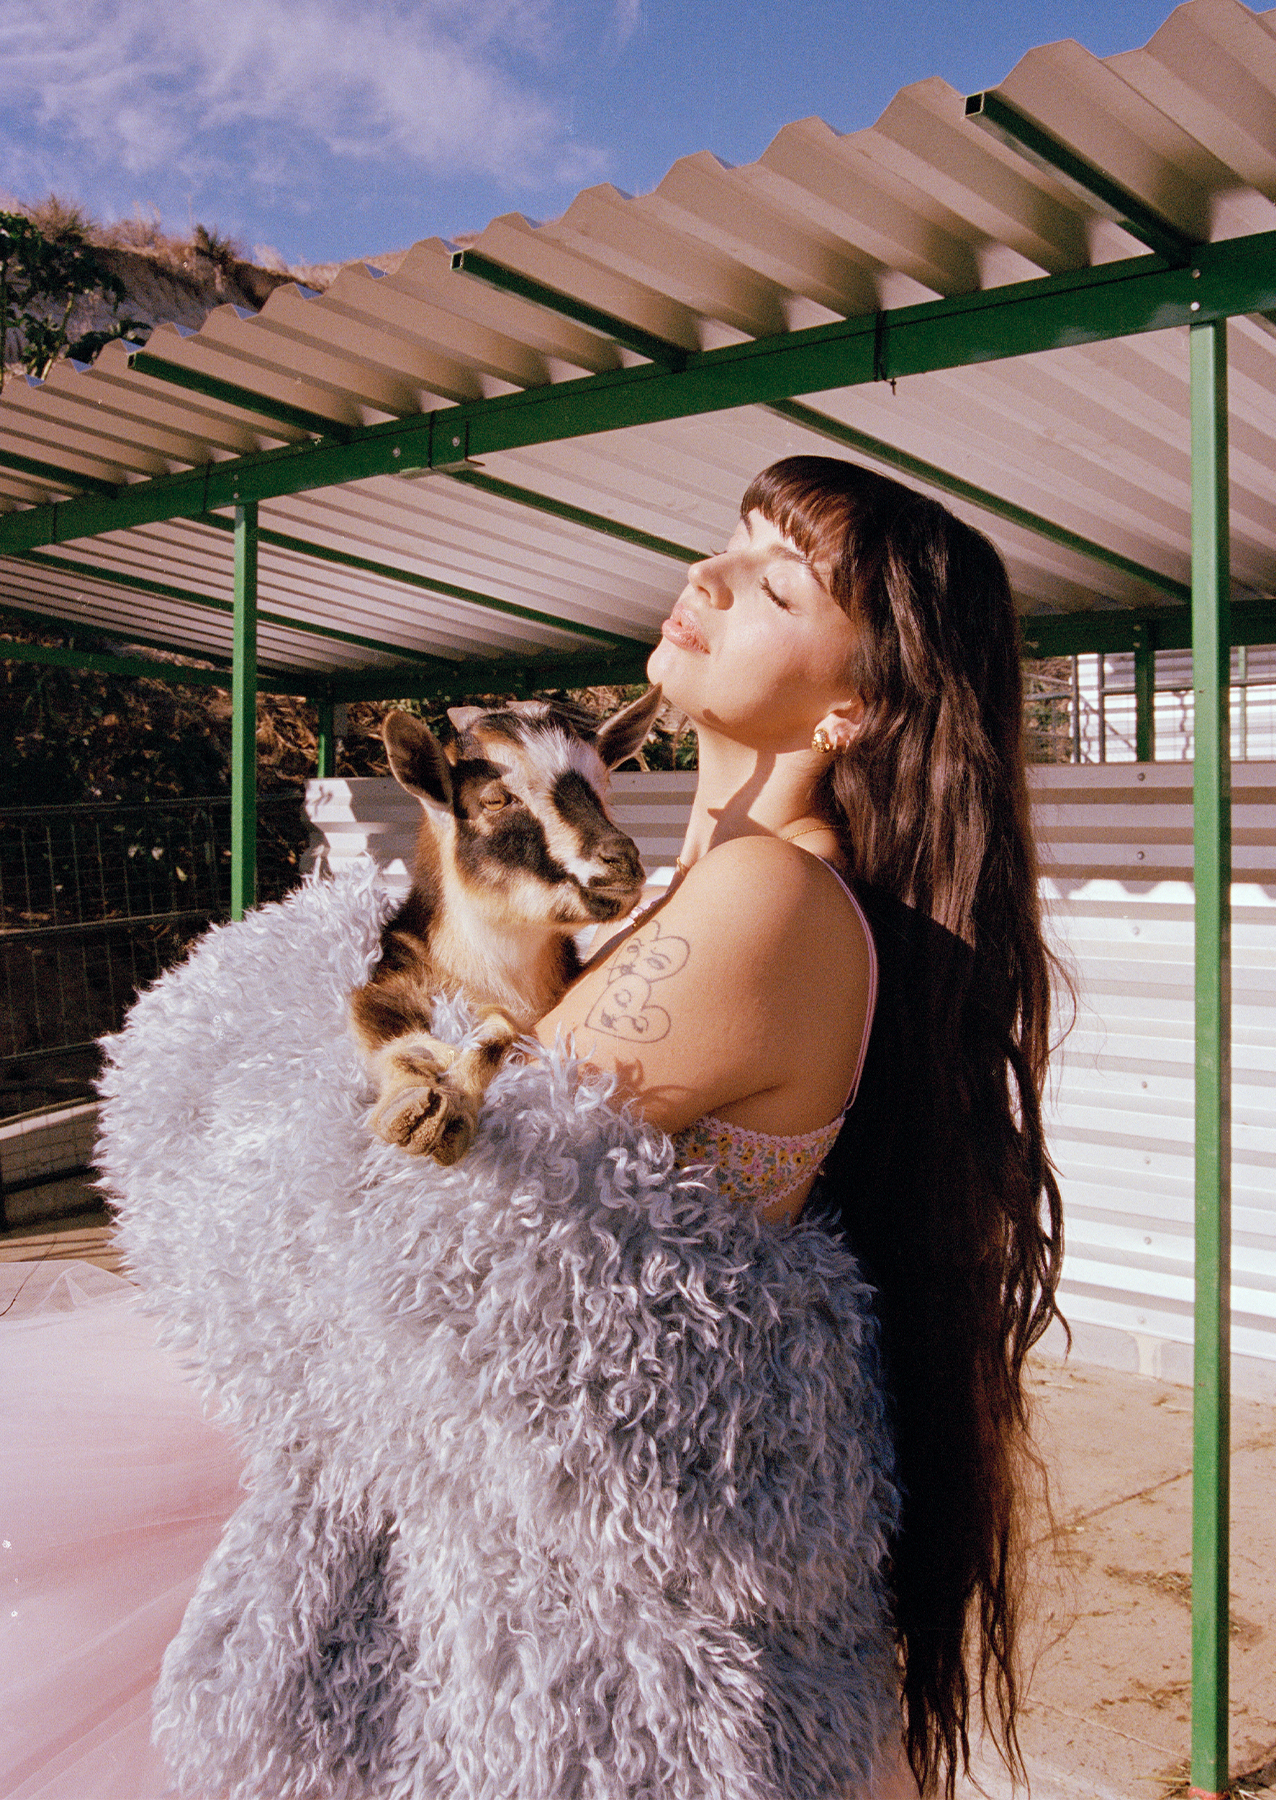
column 871, row 1008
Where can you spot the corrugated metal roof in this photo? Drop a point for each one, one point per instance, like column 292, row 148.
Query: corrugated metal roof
column 920, row 206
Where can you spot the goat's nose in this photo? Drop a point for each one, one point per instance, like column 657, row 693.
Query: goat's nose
column 618, row 854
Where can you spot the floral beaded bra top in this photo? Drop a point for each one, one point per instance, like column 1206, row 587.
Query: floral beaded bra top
column 763, row 1167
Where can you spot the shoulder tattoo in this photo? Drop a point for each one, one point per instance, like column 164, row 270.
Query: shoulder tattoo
column 626, row 1009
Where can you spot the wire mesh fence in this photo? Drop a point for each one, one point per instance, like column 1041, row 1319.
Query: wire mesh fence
column 1081, row 709
column 95, row 902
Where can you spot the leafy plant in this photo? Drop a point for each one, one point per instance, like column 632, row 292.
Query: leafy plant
column 217, row 247
column 41, row 278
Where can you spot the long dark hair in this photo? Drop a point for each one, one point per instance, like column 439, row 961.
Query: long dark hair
column 941, row 1175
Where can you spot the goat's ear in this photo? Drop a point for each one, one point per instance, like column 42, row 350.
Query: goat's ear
column 416, row 758
column 462, row 717
column 625, row 732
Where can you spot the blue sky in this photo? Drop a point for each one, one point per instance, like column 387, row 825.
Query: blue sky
column 330, row 129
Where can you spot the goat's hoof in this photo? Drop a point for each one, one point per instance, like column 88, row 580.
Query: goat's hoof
column 432, row 1120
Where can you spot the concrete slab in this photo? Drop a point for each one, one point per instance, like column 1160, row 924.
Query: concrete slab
column 82, row 1237
column 1108, row 1709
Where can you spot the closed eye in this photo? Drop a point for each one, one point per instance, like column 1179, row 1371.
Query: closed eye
column 771, row 594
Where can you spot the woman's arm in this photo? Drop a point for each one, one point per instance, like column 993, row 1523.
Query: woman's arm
column 744, row 996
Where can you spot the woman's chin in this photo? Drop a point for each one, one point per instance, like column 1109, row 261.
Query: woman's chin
column 662, row 666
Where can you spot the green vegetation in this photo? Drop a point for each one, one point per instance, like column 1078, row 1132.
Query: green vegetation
column 67, row 736
column 43, row 272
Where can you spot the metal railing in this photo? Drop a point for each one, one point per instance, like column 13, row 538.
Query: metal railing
column 95, row 902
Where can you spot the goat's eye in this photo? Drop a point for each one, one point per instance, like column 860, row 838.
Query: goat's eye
column 493, row 798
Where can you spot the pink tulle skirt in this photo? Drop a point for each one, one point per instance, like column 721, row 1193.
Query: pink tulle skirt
column 114, row 1488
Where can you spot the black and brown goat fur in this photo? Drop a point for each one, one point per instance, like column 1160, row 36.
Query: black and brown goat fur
column 516, row 854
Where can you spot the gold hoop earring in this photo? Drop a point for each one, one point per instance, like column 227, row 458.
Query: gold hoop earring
column 822, row 742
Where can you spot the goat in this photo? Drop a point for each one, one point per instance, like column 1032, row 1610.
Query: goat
column 515, row 855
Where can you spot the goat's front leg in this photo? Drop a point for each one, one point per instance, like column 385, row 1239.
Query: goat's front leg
column 431, row 1092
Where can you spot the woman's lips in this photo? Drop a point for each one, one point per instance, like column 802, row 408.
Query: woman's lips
column 680, row 629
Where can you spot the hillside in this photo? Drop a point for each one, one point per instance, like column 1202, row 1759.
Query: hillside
column 163, row 278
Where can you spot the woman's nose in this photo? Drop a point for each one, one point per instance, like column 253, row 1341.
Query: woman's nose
column 710, row 577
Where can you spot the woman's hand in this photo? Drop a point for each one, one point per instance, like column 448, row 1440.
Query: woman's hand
column 745, row 995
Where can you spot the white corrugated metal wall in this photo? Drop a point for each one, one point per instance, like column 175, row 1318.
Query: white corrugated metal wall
column 1116, row 848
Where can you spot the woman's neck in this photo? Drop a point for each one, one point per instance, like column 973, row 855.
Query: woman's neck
column 743, row 792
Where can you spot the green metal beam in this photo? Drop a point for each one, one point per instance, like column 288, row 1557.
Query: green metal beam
column 68, row 480
column 1145, row 692
column 1045, row 151
column 59, row 656
column 877, row 448
column 212, row 387
column 1122, row 299
column 575, row 515
column 1212, row 861
column 346, row 559
column 243, row 726
column 509, row 281
column 164, row 590
column 502, row 675
column 1090, row 633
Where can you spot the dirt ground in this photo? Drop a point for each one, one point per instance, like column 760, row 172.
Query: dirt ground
column 1108, row 1711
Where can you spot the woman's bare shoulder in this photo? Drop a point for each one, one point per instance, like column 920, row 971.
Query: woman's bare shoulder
column 765, row 886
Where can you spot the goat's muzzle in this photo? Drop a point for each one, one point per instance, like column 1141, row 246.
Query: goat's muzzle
column 612, row 893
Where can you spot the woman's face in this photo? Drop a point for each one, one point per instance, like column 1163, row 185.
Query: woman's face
column 756, row 647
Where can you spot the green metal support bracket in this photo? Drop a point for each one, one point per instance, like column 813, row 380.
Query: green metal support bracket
column 65, row 479
column 346, row 559
column 243, row 729
column 1094, row 185
column 509, row 281
column 1212, row 829
column 212, row 387
column 1082, row 306
column 812, row 420
column 1145, row 691
column 96, row 662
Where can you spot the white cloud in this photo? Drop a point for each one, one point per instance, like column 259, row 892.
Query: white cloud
column 149, row 87
column 626, row 17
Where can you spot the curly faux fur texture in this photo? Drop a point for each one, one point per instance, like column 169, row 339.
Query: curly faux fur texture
column 568, row 1479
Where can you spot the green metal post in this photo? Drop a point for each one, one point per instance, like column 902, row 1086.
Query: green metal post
column 327, row 742
column 1144, row 693
column 1212, row 832
column 243, row 729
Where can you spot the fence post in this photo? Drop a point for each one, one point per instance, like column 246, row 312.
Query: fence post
column 243, row 738
column 326, row 742
column 1212, row 857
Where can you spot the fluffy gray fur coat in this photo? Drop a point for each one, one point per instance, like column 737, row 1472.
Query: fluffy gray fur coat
column 567, row 1478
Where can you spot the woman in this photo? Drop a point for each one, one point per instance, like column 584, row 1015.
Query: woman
column 850, row 664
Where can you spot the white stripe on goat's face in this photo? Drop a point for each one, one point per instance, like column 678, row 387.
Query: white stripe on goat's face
column 531, row 826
